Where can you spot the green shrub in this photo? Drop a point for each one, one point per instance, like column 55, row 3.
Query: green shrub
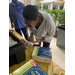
column 57, row 15
column 61, row 17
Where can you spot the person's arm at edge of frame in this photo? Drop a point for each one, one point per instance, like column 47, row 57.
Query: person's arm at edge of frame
column 11, row 23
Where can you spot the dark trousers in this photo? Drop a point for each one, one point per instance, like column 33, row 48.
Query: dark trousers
column 44, row 44
column 24, row 30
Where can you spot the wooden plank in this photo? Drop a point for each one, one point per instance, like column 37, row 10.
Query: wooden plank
column 20, row 37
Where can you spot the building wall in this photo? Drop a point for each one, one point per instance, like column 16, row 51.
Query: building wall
column 28, row 2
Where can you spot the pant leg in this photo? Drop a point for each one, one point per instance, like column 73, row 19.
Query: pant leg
column 46, row 44
column 18, row 31
column 25, row 32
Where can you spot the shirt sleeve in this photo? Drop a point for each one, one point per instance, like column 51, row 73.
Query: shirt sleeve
column 50, row 33
column 50, row 26
column 23, row 5
column 9, row 14
column 9, row 11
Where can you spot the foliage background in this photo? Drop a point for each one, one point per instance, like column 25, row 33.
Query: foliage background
column 57, row 15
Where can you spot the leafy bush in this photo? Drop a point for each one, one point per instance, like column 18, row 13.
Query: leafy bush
column 61, row 17
column 57, row 15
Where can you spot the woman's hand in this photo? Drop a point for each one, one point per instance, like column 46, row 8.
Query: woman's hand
column 31, row 38
column 12, row 25
column 40, row 40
